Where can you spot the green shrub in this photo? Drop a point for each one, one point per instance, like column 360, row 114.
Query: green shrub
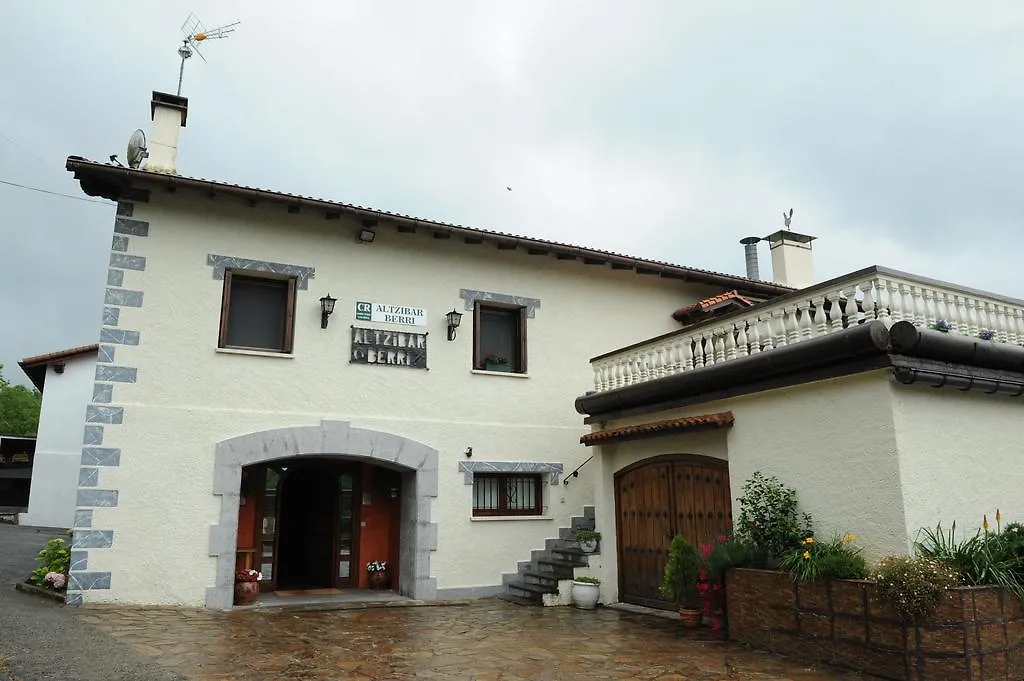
column 769, row 520
column 837, row 558
column 914, row 586
column 55, row 556
column 586, row 535
column 679, row 581
column 1013, row 540
column 985, row 558
column 588, row 580
column 734, row 552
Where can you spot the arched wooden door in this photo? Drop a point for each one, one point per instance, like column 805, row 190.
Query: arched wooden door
column 657, row 498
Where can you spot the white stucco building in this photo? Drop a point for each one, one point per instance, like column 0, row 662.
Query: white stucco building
column 234, row 422
column 66, row 379
column 882, row 424
column 303, row 386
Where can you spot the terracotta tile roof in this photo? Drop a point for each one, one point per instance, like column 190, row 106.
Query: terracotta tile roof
column 704, row 421
column 709, row 304
column 100, row 179
column 60, row 355
column 35, row 366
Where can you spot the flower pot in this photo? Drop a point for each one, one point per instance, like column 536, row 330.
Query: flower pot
column 584, row 595
column 380, row 580
column 494, row 366
column 246, row 592
column 691, row 617
column 588, row 546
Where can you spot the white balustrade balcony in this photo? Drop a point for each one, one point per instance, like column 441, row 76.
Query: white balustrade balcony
column 871, row 293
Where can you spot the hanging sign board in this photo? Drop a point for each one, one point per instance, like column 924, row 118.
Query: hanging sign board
column 391, row 348
column 391, row 314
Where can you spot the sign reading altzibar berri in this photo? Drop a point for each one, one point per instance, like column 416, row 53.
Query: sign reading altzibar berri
column 394, row 348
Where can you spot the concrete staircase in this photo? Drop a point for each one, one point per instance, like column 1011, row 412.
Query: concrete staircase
column 557, row 560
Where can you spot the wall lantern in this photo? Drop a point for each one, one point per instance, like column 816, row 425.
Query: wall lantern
column 453, row 318
column 326, row 309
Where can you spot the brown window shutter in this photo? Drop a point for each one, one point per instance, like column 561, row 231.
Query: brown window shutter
column 522, row 340
column 225, row 307
column 478, row 356
column 289, row 319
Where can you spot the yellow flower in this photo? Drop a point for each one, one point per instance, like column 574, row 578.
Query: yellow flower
column 807, row 554
column 809, row 540
column 999, row 518
column 985, row 524
column 849, row 537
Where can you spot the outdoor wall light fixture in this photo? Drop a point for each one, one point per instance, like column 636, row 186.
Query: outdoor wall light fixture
column 469, row 452
column 367, row 233
column 453, row 318
column 326, row 309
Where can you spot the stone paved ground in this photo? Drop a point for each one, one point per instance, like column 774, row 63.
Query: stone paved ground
column 487, row 640
column 40, row 639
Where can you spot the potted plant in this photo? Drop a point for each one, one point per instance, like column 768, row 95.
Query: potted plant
column 587, row 539
column 585, row 591
column 679, row 581
column 247, row 586
column 495, row 362
column 377, row 571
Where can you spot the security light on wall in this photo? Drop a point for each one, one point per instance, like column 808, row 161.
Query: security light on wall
column 326, row 309
column 453, row 318
column 367, row 233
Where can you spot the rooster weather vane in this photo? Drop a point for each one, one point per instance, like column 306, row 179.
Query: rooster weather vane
column 786, row 219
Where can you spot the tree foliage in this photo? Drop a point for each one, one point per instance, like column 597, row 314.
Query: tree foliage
column 19, row 408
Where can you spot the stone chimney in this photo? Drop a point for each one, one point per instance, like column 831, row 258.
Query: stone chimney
column 169, row 113
column 792, row 264
column 750, row 252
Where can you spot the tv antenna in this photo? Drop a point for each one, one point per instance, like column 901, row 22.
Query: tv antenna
column 196, row 33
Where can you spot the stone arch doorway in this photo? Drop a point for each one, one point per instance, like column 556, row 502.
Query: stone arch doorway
column 655, row 499
column 416, row 462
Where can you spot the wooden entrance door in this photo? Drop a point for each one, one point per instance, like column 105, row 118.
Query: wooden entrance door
column 657, row 498
column 307, row 529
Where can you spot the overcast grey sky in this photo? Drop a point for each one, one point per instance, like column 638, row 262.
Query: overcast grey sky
column 660, row 129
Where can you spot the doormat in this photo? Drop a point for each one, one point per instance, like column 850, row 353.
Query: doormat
column 284, row 593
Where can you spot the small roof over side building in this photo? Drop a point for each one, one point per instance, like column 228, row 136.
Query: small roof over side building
column 35, row 366
column 710, row 307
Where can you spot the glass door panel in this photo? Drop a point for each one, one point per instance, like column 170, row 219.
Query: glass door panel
column 347, row 571
column 268, row 522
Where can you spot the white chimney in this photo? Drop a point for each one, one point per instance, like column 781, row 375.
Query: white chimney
column 169, row 113
column 792, row 264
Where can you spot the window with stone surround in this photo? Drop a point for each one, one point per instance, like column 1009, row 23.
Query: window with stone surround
column 257, row 312
column 499, row 333
column 497, row 494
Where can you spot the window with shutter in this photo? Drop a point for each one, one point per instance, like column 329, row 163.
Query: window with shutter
column 257, row 313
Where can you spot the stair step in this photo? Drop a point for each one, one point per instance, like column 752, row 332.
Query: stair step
column 570, row 551
column 518, row 600
column 557, row 563
column 532, row 588
column 544, row 577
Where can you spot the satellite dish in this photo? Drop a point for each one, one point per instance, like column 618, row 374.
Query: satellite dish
column 137, row 149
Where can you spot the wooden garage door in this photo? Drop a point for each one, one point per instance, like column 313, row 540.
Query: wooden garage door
column 654, row 500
